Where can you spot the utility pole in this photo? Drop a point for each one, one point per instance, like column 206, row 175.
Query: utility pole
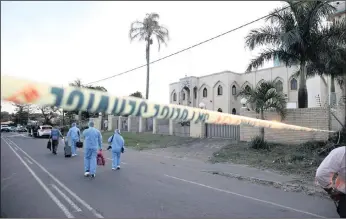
column 63, row 117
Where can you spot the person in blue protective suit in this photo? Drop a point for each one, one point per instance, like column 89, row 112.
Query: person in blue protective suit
column 74, row 135
column 54, row 135
column 117, row 144
column 92, row 143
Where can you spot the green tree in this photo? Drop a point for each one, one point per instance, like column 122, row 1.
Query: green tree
column 137, row 94
column 265, row 97
column 83, row 114
column 146, row 30
column 5, row 116
column 49, row 113
column 22, row 113
column 330, row 60
column 294, row 35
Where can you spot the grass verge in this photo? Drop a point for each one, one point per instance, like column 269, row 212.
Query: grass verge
column 300, row 159
column 142, row 141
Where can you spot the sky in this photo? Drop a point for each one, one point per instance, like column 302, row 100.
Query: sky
column 58, row 42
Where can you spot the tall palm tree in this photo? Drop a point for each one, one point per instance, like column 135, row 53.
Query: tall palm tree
column 78, row 83
column 265, row 97
column 330, row 60
column 293, row 36
column 146, row 30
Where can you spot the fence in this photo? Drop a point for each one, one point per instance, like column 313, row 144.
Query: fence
column 162, row 126
column 222, row 131
column 320, row 118
column 181, row 130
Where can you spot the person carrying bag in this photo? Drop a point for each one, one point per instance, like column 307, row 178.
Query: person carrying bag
column 117, row 145
column 49, row 145
column 74, row 136
column 79, row 143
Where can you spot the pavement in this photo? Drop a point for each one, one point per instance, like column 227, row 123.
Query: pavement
column 35, row 183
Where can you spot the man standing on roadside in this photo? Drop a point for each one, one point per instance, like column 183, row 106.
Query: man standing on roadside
column 74, row 135
column 92, row 143
column 54, row 135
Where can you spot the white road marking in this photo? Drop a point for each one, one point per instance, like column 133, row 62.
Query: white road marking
column 50, row 194
column 86, row 205
column 15, row 148
column 68, row 200
column 28, row 160
column 244, row 196
column 15, row 135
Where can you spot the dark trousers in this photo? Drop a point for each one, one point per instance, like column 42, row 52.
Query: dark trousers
column 341, row 209
column 55, row 144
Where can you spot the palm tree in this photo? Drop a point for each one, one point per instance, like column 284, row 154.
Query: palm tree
column 330, row 60
column 146, row 30
column 265, row 97
column 78, row 83
column 293, row 36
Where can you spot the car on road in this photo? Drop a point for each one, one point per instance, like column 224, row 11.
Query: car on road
column 21, row 129
column 44, row 131
column 5, row 128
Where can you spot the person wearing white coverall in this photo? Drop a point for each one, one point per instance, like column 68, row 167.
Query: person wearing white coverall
column 117, row 143
column 334, row 163
column 92, row 143
column 74, row 135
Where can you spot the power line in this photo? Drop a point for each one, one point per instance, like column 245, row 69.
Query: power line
column 195, row 45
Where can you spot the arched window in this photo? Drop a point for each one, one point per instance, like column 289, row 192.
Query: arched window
column 234, row 90
column 234, row 111
column 183, row 95
column 294, row 84
column 219, row 110
column 205, row 92
column 260, row 82
column 279, row 86
column 174, row 97
column 247, row 87
column 219, row 90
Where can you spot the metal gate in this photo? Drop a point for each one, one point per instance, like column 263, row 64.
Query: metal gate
column 222, row 131
column 149, row 122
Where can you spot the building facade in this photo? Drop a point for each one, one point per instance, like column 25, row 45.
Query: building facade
column 218, row 91
column 340, row 12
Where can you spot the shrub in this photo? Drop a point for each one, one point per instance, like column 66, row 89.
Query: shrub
column 311, row 146
column 335, row 137
column 257, row 143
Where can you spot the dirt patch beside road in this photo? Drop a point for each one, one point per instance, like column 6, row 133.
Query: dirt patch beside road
column 301, row 160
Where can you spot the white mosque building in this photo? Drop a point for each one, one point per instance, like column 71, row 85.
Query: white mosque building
column 219, row 91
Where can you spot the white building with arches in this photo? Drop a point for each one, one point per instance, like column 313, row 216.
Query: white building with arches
column 219, row 91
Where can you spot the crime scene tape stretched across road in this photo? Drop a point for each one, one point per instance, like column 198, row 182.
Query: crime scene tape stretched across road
column 81, row 99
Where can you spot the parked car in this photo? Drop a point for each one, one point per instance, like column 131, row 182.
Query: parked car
column 12, row 129
column 21, row 129
column 5, row 128
column 44, row 131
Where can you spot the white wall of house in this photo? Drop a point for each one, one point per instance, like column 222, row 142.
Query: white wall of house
column 227, row 79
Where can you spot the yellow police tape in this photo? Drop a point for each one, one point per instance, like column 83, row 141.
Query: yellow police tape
column 71, row 98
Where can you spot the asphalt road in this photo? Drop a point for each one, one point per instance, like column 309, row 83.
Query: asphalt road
column 35, row 183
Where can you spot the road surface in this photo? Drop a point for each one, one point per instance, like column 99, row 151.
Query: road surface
column 35, row 183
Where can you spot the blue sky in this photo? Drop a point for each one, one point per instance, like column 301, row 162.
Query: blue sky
column 57, row 42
